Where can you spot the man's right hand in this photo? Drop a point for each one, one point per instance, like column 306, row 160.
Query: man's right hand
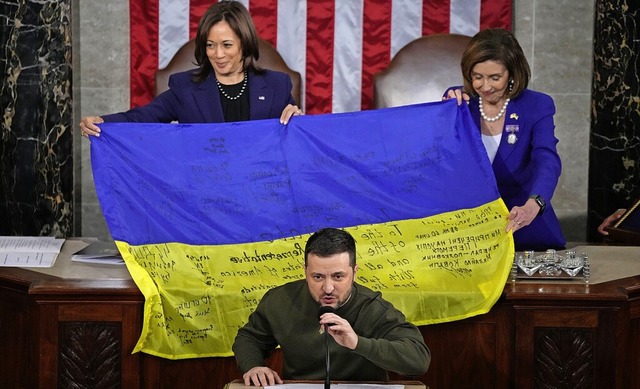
column 261, row 376
column 609, row 221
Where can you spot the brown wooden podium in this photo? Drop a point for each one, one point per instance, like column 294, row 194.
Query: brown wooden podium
column 74, row 325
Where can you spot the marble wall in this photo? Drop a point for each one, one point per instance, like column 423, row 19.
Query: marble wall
column 614, row 174
column 36, row 184
column 557, row 36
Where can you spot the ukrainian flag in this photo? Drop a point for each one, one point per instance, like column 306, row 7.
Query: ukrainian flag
column 208, row 217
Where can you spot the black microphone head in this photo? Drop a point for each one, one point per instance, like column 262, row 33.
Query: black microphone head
column 325, row 309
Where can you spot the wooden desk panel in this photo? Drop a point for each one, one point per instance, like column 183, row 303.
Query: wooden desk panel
column 53, row 319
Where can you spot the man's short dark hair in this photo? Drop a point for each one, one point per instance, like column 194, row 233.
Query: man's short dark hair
column 329, row 241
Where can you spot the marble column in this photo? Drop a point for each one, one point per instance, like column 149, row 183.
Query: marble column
column 614, row 150
column 35, row 95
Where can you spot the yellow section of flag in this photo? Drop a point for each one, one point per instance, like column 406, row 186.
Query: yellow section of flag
column 441, row 268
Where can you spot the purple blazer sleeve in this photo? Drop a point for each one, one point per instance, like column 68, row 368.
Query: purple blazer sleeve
column 190, row 102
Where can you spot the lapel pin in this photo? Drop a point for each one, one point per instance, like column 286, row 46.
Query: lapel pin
column 512, row 129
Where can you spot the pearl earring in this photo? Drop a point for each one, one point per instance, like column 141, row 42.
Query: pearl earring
column 511, row 82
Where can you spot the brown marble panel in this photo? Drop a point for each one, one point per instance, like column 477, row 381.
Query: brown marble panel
column 35, row 97
column 614, row 158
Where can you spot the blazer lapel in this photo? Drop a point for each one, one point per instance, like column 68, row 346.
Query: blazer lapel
column 261, row 97
column 208, row 102
column 511, row 132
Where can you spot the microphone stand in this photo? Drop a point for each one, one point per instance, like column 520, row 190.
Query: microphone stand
column 322, row 311
column 327, row 380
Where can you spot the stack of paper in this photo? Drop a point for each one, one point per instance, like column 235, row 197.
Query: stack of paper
column 99, row 252
column 29, row 251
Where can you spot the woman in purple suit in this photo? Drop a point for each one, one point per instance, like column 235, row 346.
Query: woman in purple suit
column 517, row 130
column 227, row 86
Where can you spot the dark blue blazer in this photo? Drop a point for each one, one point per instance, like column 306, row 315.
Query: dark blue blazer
column 188, row 102
column 530, row 166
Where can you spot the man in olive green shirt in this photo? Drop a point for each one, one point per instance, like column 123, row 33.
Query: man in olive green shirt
column 370, row 336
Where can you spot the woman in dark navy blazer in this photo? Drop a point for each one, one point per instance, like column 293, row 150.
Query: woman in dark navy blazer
column 227, row 86
column 517, row 130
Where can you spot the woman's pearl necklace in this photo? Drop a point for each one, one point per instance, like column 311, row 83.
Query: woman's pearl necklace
column 224, row 93
column 495, row 118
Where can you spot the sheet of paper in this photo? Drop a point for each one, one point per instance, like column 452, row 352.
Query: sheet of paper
column 337, row 386
column 27, row 259
column 29, row 251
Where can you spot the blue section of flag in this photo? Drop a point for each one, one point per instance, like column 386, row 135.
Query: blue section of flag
column 261, row 180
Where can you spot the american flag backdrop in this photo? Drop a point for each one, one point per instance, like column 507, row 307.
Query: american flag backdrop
column 336, row 45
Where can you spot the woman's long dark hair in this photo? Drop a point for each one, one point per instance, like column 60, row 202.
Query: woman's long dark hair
column 239, row 19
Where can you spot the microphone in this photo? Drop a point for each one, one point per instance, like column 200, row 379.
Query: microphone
column 322, row 311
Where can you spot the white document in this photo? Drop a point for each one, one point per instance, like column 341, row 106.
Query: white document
column 29, row 251
column 337, row 386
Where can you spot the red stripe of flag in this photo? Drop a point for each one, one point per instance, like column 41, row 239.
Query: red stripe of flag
column 197, row 8
column 436, row 17
column 265, row 17
column 319, row 66
column 376, row 45
column 494, row 14
column 143, row 34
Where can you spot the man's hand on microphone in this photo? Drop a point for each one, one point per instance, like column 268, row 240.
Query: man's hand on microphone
column 261, row 376
column 340, row 330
